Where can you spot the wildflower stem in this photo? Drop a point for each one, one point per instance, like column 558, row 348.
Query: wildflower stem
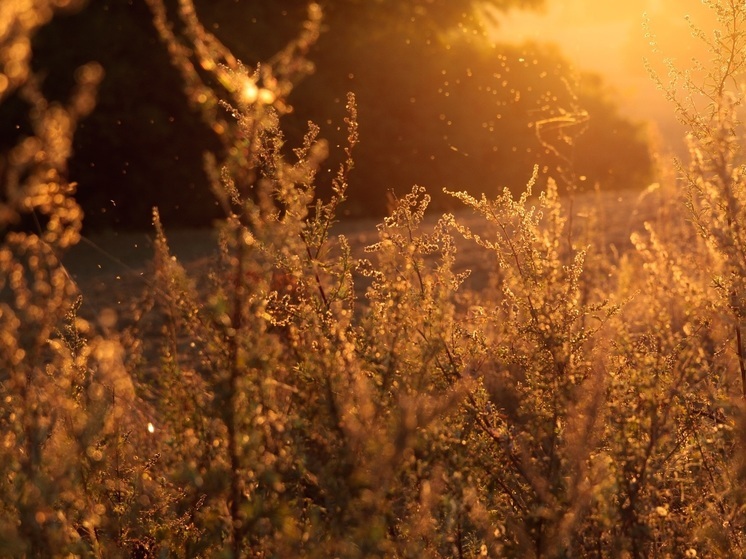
column 237, row 325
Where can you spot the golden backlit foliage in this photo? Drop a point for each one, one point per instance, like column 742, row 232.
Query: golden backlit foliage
column 34, row 172
column 19, row 19
column 298, row 401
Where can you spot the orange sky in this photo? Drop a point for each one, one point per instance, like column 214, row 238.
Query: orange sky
column 608, row 37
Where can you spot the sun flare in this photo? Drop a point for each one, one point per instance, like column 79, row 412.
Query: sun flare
column 611, row 39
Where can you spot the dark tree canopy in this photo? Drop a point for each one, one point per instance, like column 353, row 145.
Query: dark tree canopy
column 439, row 104
column 438, row 15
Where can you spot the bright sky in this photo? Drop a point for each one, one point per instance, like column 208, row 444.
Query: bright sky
column 608, row 37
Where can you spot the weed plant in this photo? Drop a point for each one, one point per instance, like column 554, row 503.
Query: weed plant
column 282, row 410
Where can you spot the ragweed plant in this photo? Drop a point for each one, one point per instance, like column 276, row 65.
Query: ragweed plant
column 303, row 416
column 537, row 413
column 71, row 480
column 295, row 401
column 40, row 383
column 672, row 410
column 214, row 77
column 707, row 99
column 273, row 325
column 19, row 20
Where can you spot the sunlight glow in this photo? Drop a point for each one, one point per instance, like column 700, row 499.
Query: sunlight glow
column 609, row 38
column 249, row 92
column 266, row 97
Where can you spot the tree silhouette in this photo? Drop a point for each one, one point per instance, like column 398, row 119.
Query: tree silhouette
column 431, row 110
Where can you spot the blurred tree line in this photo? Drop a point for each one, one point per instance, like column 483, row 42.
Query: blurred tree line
column 440, row 105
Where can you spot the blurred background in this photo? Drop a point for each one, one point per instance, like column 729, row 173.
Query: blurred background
column 452, row 94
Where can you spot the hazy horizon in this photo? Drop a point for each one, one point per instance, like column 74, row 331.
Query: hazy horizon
column 610, row 39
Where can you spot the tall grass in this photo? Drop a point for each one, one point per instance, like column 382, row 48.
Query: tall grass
column 559, row 412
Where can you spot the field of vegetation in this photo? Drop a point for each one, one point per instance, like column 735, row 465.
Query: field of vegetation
column 535, row 375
